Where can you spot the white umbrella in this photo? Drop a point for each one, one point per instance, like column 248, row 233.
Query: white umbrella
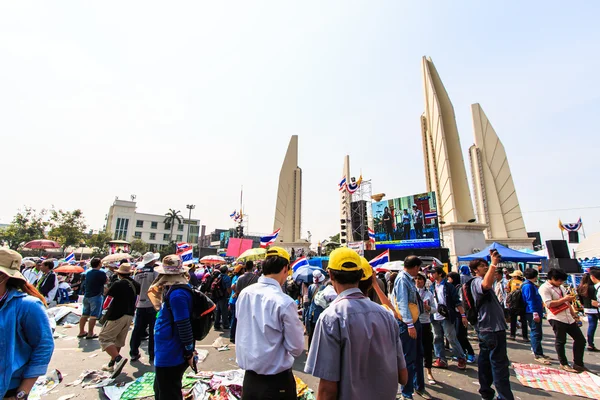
column 393, row 266
column 116, row 257
column 212, row 260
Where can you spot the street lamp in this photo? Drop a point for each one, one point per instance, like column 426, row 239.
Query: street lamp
column 189, row 207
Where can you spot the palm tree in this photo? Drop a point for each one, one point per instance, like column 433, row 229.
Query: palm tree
column 170, row 219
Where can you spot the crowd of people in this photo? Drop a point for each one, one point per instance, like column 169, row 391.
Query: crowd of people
column 369, row 334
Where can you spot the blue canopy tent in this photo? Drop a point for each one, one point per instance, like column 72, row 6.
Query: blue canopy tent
column 506, row 254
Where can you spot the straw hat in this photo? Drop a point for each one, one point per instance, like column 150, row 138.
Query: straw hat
column 517, row 273
column 124, row 269
column 10, row 264
column 171, row 265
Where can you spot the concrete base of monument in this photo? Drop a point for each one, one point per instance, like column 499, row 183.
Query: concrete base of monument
column 462, row 239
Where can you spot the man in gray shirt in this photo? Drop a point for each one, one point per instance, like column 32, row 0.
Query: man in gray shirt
column 145, row 314
column 491, row 329
column 356, row 348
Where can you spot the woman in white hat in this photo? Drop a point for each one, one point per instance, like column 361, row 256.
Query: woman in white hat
column 173, row 336
column 27, row 344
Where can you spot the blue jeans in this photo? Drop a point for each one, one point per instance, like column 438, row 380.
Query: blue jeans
column 493, row 366
column 222, row 313
column 92, row 306
column 445, row 328
column 592, row 325
column 535, row 335
column 413, row 355
column 233, row 322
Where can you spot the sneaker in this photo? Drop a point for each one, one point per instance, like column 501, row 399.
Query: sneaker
column 135, row 358
column 462, row 364
column 424, row 394
column 118, row 367
column 568, row 368
column 542, row 360
column 471, row 358
column 110, row 367
column 580, row 368
column 439, row 363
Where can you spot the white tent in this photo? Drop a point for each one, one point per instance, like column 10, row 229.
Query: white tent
column 589, row 247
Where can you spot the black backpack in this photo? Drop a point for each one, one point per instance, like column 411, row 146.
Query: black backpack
column 468, row 302
column 206, row 283
column 203, row 316
column 515, row 302
column 216, row 288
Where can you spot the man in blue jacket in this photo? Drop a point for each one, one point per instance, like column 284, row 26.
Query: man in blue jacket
column 533, row 312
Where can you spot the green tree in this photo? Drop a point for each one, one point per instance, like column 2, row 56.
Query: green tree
column 170, row 218
column 139, row 246
column 99, row 240
column 166, row 250
column 26, row 225
column 68, row 227
column 335, row 238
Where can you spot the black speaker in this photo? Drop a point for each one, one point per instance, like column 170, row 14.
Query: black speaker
column 557, row 249
column 569, row 265
column 574, row 237
column 537, row 243
column 358, row 215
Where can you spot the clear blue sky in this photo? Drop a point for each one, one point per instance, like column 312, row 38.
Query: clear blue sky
column 185, row 103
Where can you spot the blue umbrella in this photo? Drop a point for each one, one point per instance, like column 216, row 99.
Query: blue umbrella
column 304, row 274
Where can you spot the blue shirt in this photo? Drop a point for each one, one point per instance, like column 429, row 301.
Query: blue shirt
column 94, row 283
column 405, row 292
column 168, row 349
column 26, row 343
column 532, row 298
column 232, row 299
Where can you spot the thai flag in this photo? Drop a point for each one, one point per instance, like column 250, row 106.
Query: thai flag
column 371, row 235
column 182, row 247
column 380, row 259
column 301, row 262
column 70, row 257
column 342, row 185
column 233, row 214
column 42, row 258
column 187, row 256
column 269, row 239
column 431, row 214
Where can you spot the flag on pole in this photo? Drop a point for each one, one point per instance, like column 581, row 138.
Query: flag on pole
column 371, row 235
column 431, row 214
column 70, row 257
column 380, row 259
column 342, row 185
column 268, row 240
column 573, row 227
column 233, row 214
column 301, row 262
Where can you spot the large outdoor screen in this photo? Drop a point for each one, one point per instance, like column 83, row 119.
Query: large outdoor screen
column 409, row 222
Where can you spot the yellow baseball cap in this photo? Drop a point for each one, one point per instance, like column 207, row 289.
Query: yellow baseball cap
column 278, row 251
column 367, row 269
column 343, row 255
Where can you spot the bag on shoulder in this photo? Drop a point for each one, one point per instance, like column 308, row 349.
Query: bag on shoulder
column 206, row 283
column 202, row 313
column 514, row 301
column 468, row 302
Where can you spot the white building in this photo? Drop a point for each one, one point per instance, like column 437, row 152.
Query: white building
column 125, row 223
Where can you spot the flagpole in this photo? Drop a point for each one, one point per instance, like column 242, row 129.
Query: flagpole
column 583, row 230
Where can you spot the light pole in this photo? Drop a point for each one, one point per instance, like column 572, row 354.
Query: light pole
column 189, row 207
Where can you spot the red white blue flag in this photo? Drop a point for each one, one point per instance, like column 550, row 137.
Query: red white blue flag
column 371, row 235
column 301, row 262
column 70, row 257
column 380, row 259
column 268, row 240
column 181, row 247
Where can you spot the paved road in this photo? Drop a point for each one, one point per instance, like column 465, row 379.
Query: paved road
column 74, row 355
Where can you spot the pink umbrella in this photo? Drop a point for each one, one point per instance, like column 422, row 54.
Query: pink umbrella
column 42, row 244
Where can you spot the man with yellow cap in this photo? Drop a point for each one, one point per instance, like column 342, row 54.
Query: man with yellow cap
column 269, row 334
column 356, row 349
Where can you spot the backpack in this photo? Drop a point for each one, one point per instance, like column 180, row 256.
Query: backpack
column 320, row 299
column 206, row 283
column 216, row 288
column 515, row 302
column 202, row 315
column 468, row 302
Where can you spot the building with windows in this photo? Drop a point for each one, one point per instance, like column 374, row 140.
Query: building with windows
column 123, row 222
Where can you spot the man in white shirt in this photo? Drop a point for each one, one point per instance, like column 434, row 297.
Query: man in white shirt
column 269, row 334
column 563, row 320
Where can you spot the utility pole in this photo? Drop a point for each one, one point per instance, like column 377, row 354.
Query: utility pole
column 189, row 207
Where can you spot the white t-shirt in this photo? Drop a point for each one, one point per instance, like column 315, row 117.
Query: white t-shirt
column 441, row 299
